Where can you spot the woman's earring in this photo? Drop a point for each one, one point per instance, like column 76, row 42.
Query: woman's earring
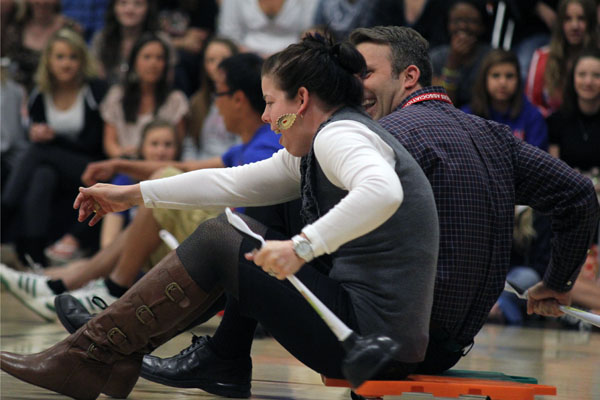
column 286, row 121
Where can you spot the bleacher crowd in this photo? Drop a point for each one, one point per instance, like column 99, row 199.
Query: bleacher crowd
column 88, row 85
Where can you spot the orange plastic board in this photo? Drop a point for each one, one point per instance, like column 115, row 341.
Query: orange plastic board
column 443, row 386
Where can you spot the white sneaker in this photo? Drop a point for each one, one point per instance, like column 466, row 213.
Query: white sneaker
column 31, row 289
column 86, row 295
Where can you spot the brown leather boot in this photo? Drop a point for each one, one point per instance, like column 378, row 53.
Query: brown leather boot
column 105, row 354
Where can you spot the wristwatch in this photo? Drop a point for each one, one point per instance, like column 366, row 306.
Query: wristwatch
column 303, row 248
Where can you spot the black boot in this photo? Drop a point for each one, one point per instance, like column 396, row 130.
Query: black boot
column 198, row 366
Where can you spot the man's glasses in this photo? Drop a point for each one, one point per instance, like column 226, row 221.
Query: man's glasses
column 225, row 93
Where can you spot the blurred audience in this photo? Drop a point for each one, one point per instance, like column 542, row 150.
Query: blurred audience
column 456, row 65
column 575, row 29
column 575, row 128
column 125, row 22
column 159, row 143
column 207, row 136
column 188, row 23
column 265, row 26
column 27, row 35
column 533, row 28
column 65, row 134
column 145, row 94
column 498, row 95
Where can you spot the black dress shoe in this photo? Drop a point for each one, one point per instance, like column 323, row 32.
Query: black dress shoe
column 71, row 313
column 198, row 366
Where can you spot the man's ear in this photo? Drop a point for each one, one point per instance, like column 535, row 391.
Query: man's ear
column 412, row 75
column 303, row 97
column 239, row 97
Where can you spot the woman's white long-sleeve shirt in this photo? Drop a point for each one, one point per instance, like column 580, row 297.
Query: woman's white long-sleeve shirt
column 352, row 157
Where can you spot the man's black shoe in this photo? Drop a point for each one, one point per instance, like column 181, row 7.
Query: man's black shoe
column 71, row 313
column 197, row 366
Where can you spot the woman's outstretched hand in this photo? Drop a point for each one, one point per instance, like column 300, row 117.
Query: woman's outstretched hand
column 102, row 199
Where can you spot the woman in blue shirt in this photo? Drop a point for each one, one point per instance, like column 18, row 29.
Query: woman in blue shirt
column 498, row 96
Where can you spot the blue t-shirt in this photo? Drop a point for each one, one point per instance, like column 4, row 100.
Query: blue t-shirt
column 263, row 145
column 123, row 180
column 529, row 125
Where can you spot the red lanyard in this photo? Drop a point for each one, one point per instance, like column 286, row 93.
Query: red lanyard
column 428, row 96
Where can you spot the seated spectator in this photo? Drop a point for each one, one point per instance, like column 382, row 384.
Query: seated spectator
column 265, row 27
column 65, row 135
column 27, row 37
column 119, row 264
column 575, row 129
column 125, row 22
column 207, row 136
column 188, row 24
column 456, row 65
column 145, row 94
column 498, row 95
column 575, row 29
column 159, row 143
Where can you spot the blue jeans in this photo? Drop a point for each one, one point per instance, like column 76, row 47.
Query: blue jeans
column 512, row 307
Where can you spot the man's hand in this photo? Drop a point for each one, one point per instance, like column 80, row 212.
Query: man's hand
column 99, row 171
column 544, row 301
column 277, row 258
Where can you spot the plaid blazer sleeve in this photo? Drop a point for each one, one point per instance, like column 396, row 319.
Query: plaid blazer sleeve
column 550, row 186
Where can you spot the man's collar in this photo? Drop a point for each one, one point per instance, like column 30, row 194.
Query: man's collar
column 425, row 90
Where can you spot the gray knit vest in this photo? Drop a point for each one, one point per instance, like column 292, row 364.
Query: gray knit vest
column 389, row 272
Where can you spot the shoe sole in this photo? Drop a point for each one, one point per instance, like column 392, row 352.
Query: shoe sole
column 25, row 302
column 220, row 389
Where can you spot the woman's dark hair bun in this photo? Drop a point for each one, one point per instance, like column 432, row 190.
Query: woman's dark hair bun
column 349, row 58
column 331, row 71
column 346, row 54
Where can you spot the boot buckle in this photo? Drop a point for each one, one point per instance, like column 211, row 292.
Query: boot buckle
column 144, row 314
column 114, row 334
column 90, row 351
column 174, row 292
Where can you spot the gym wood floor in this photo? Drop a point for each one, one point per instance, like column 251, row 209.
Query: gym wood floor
column 569, row 360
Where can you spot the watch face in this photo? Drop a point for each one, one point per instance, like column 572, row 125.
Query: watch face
column 303, row 249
